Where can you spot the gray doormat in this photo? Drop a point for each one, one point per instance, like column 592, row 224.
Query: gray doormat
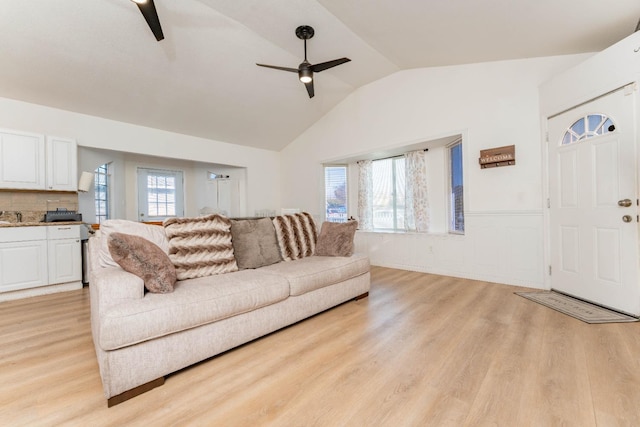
column 573, row 307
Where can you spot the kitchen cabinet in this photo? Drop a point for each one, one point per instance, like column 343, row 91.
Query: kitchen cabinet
column 64, row 254
column 23, row 258
column 22, row 160
column 62, row 164
column 33, row 257
column 32, row 162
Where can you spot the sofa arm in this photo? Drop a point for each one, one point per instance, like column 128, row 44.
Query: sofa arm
column 111, row 286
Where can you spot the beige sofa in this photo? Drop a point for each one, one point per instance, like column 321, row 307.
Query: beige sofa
column 140, row 337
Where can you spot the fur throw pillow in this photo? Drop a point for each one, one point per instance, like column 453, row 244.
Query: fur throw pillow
column 336, row 239
column 152, row 233
column 145, row 259
column 200, row 246
column 296, row 234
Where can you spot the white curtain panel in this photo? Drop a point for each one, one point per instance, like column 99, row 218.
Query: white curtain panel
column 365, row 195
column 416, row 200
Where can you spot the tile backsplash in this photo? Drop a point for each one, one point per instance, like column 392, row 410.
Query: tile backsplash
column 32, row 205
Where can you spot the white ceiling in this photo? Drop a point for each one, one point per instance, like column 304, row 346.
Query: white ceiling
column 99, row 57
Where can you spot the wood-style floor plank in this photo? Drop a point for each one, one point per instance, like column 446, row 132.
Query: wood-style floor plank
column 421, row 350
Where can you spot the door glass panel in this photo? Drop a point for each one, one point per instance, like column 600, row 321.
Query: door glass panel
column 587, row 127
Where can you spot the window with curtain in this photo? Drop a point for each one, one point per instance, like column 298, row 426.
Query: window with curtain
column 335, row 193
column 393, row 193
column 102, row 193
column 389, row 193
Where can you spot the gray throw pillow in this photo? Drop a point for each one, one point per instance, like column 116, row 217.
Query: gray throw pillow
column 145, row 259
column 254, row 243
column 336, row 239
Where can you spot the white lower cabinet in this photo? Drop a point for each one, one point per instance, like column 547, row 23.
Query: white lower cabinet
column 23, row 265
column 63, row 254
column 32, row 257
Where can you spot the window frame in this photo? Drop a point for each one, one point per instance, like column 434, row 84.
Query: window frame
column 451, row 220
column 99, row 215
column 143, row 194
column 346, row 190
column 394, row 196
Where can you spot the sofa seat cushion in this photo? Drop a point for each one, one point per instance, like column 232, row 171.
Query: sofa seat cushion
column 194, row 302
column 315, row 272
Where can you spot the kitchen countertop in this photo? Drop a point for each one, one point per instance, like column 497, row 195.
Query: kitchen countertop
column 38, row 224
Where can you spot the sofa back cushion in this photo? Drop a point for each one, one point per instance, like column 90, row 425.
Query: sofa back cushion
column 254, row 243
column 296, row 234
column 200, row 246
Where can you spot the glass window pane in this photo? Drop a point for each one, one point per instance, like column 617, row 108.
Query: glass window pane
column 457, row 190
column 400, row 186
column 587, row 127
column 383, row 194
column 335, row 185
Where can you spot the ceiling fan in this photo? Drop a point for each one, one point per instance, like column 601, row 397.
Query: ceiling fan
column 305, row 70
column 148, row 9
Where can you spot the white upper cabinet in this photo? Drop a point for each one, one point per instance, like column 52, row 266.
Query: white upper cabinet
column 62, row 164
column 31, row 162
column 22, row 160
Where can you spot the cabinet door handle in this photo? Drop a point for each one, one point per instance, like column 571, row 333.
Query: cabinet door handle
column 64, row 228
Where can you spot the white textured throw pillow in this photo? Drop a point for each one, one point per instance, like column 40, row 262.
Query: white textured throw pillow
column 200, row 246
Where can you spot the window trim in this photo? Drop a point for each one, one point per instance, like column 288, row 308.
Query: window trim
column 180, row 192
column 395, row 227
column 99, row 216
column 450, row 213
column 346, row 189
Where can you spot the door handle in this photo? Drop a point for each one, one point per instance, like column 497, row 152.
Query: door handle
column 624, row 203
column 627, row 218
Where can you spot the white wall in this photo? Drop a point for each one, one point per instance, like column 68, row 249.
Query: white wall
column 262, row 178
column 491, row 105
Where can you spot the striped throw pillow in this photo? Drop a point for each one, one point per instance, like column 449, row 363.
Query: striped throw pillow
column 200, row 246
column 297, row 235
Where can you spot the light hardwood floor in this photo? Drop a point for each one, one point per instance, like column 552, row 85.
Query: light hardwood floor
column 421, row 350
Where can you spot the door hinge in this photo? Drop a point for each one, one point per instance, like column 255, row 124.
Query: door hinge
column 547, row 136
column 549, row 270
column 548, row 202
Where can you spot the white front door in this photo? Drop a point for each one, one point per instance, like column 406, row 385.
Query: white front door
column 593, row 202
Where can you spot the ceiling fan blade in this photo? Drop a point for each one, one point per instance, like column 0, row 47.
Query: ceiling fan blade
column 309, row 87
column 275, row 67
column 316, row 68
column 150, row 14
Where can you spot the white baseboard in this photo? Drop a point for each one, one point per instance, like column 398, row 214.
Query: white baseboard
column 42, row 290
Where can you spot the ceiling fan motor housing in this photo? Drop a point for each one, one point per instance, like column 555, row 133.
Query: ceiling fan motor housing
column 304, row 32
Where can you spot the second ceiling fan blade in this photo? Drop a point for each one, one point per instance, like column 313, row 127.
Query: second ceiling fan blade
column 275, row 67
column 316, row 68
column 150, row 14
column 309, row 87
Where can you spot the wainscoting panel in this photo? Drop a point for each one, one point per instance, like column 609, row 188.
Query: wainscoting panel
column 501, row 247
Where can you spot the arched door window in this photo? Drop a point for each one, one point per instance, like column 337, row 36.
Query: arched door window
column 587, row 127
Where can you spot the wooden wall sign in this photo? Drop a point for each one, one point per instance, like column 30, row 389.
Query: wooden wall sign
column 496, row 157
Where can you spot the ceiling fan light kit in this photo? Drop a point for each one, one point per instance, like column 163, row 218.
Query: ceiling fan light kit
column 305, row 70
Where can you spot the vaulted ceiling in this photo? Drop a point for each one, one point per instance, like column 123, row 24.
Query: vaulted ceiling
column 100, row 58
